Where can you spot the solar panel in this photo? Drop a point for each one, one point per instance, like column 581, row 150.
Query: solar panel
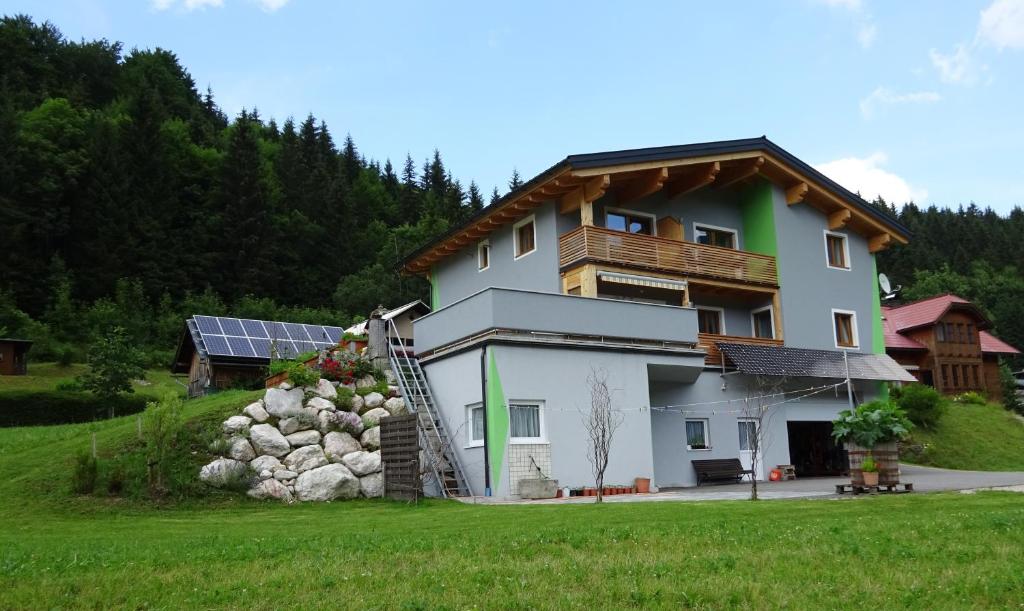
column 316, row 333
column 276, row 330
column 217, row 345
column 240, row 346
column 261, row 347
column 334, row 334
column 254, row 328
column 208, row 324
column 304, row 346
column 297, row 332
column 232, row 326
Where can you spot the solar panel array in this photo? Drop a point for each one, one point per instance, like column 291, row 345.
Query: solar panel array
column 245, row 337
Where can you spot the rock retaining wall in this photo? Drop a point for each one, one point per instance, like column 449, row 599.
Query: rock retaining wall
column 305, row 444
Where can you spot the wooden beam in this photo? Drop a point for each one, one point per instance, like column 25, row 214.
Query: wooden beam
column 795, row 194
column 587, row 214
column 879, row 242
column 839, row 218
column 587, row 192
column 668, row 163
column 738, row 172
column 650, row 182
column 700, row 176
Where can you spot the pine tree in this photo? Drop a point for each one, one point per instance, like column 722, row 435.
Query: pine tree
column 516, row 181
column 476, row 199
column 495, row 196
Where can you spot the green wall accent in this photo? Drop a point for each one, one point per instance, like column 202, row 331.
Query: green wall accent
column 435, row 291
column 877, row 330
column 758, row 212
column 497, row 422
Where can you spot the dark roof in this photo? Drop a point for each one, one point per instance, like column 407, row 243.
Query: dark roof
column 11, row 340
column 810, row 363
column 664, row 153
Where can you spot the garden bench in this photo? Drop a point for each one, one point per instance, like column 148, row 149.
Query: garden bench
column 719, row 469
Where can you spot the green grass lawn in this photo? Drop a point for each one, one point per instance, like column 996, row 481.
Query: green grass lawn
column 974, row 437
column 46, row 377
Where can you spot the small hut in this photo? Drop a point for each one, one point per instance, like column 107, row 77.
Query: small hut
column 14, row 356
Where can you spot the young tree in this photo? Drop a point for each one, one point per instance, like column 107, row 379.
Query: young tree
column 113, row 363
column 758, row 410
column 600, row 422
column 516, row 181
column 1011, row 400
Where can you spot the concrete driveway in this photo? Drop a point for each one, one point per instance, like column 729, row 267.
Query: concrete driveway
column 925, row 479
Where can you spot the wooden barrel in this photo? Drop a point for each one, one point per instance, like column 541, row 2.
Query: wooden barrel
column 887, row 457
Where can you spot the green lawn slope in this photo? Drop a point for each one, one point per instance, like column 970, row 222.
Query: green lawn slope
column 971, row 437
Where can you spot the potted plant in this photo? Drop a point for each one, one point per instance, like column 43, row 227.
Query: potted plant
column 872, row 430
column 869, row 470
column 643, row 485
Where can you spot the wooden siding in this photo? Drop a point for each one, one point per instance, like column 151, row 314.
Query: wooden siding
column 597, row 244
column 714, row 356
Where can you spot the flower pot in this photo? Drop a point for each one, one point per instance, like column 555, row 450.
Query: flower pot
column 870, row 478
column 643, row 485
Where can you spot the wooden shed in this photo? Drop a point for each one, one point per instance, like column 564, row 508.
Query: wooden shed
column 14, row 356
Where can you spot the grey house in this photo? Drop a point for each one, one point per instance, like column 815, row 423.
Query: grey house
column 696, row 276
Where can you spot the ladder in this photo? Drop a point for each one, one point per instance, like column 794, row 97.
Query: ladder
column 434, row 439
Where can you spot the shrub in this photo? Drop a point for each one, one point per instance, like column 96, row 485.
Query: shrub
column 868, row 465
column 344, row 399
column 971, row 397
column 922, row 404
column 161, row 424
column 65, row 356
column 300, row 375
column 113, row 363
column 1008, row 384
column 31, row 408
column 381, row 386
column 871, row 423
column 83, row 477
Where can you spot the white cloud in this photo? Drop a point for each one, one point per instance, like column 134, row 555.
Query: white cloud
column 162, row 5
column 867, row 177
column 272, row 5
column 188, row 5
column 883, row 96
column 851, row 5
column 866, row 35
column 956, row 68
column 867, row 31
column 1002, row 24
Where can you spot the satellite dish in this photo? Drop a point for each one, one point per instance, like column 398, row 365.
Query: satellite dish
column 886, row 286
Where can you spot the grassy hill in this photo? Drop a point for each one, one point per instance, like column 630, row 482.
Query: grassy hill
column 971, row 437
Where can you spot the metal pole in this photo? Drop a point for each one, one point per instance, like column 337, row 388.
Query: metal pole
column 849, row 384
column 483, row 403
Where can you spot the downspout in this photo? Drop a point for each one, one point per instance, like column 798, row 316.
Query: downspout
column 483, row 403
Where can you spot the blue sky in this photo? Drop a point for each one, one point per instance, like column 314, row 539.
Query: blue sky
column 908, row 99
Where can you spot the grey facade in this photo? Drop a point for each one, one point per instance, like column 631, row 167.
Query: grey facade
column 509, row 341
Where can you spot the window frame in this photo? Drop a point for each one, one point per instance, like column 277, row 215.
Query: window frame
column 707, row 435
column 627, row 212
column 721, row 318
column 481, row 247
column 753, row 324
column 470, row 442
column 540, row 415
column 846, row 250
column 515, row 237
column 735, row 234
column 853, row 329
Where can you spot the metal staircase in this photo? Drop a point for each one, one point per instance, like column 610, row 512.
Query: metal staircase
column 442, row 460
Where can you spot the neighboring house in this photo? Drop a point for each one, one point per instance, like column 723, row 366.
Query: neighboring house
column 943, row 341
column 14, row 356
column 403, row 316
column 219, row 352
column 693, row 276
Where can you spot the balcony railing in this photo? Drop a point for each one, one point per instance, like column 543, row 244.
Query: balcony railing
column 714, row 357
column 600, row 245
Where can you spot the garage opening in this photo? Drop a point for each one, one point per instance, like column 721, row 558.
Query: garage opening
column 813, row 451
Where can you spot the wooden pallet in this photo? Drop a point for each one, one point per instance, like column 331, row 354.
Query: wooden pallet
column 879, row 489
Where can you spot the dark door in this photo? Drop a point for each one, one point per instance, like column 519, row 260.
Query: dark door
column 813, row 451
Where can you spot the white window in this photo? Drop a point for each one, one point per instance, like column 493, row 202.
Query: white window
column 526, row 422
column 844, row 323
column 715, row 236
column 697, row 437
column 524, row 235
column 474, row 425
column 748, row 435
column 837, row 250
column 762, row 322
column 630, row 221
column 711, row 320
column 483, row 255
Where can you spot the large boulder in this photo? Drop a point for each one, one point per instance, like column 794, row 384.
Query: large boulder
column 372, row 485
column 271, row 489
column 239, row 448
column 266, row 439
column 303, row 438
column 362, row 463
column 265, row 463
column 370, row 438
column 326, row 484
column 319, row 403
column 325, row 422
column 325, row 389
column 305, row 458
column 237, row 425
column 287, row 426
column 285, row 474
column 222, row 472
column 338, row 444
column 372, row 417
column 256, row 412
column 373, row 400
column 366, row 381
column 396, row 406
column 283, row 403
column 358, row 405
column 350, row 422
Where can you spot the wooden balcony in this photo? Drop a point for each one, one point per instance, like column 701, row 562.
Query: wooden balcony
column 588, row 244
column 714, row 356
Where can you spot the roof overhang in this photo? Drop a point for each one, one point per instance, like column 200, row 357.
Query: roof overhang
column 962, row 306
column 808, row 363
column 632, row 174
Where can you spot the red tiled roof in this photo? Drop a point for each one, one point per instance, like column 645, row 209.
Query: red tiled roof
column 893, row 339
column 992, row 344
column 921, row 313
